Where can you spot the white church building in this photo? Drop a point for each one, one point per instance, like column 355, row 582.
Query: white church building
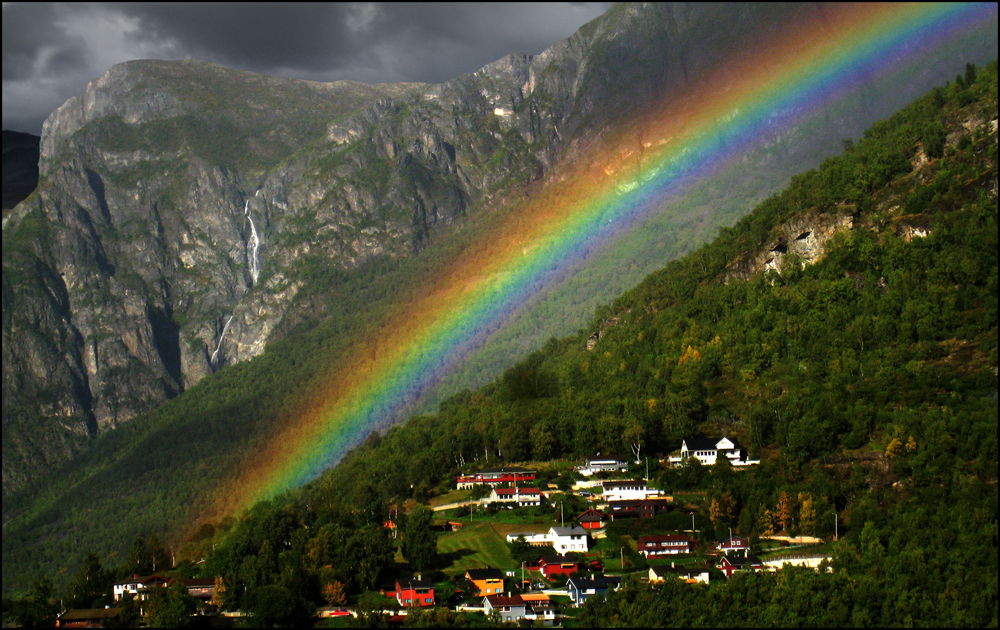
column 708, row 450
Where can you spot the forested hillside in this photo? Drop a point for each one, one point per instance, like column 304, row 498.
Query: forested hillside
column 845, row 330
column 865, row 381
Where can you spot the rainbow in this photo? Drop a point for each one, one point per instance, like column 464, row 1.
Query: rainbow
column 749, row 102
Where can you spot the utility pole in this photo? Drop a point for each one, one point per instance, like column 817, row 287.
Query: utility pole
column 692, row 522
column 647, row 470
column 562, row 515
column 623, row 558
column 836, row 528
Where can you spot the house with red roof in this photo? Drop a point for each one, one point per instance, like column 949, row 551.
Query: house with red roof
column 521, row 497
column 732, row 563
column 495, row 477
column 735, row 543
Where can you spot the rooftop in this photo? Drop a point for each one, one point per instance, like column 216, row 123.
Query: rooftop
column 485, row 574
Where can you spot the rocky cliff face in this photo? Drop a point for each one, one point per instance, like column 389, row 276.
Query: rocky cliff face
column 185, row 209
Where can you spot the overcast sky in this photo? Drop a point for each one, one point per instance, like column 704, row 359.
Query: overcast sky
column 51, row 51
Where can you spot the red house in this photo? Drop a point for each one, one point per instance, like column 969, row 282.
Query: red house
column 558, row 565
column 664, row 545
column 591, row 519
column 733, row 544
column 732, row 563
column 414, row 592
column 496, row 476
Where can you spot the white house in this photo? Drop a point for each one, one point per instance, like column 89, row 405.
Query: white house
column 708, row 450
column 594, row 465
column 136, row 586
column 631, row 490
column 521, row 497
column 563, row 539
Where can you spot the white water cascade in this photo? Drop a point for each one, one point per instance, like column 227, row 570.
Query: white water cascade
column 215, row 355
column 253, row 245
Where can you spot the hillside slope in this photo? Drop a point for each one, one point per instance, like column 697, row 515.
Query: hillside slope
column 845, row 330
column 889, row 333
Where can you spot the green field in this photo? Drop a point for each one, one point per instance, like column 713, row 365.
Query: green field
column 477, row 545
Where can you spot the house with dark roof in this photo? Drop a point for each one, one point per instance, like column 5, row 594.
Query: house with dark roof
column 732, row 563
column 514, row 608
column 486, row 581
column 734, row 544
column 415, row 592
column 594, row 465
column 645, row 508
column 651, row 546
column 580, row 589
column 563, row 539
column 199, row 588
column 511, row 609
column 591, row 519
column 708, row 450
column 87, row 617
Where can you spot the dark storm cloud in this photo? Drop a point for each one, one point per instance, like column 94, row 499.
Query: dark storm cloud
column 51, row 51
column 32, row 45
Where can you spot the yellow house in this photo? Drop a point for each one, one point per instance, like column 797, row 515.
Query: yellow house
column 486, row 581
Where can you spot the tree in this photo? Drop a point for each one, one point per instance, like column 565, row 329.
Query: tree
column 139, row 560
column 276, row 607
column 335, row 593
column 807, row 511
column 371, row 553
column 635, row 437
column 159, row 557
column 219, row 596
column 90, row 583
column 130, row 615
column 419, row 542
column 786, row 511
column 170, row 607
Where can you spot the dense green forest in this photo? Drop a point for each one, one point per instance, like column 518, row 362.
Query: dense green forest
column 866, row 383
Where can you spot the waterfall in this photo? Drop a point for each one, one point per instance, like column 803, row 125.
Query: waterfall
column 253, row 245
column 215, row 355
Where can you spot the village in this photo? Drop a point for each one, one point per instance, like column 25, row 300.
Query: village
column 515, row 552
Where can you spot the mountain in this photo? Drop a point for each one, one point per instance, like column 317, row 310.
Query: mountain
column 188, row 215
column 20, row 167
column 147, row 260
